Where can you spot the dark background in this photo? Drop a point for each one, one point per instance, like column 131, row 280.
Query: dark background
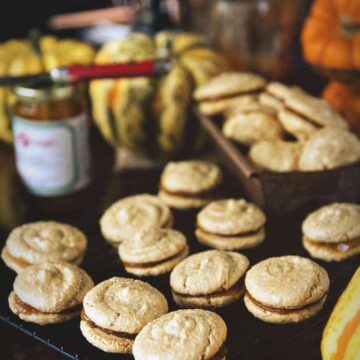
column 18, row 17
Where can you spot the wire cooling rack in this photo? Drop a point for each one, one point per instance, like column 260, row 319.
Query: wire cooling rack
column 248, row 337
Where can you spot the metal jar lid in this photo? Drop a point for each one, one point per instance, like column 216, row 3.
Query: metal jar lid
column 45, row 91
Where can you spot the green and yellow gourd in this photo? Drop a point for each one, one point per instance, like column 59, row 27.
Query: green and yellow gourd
column 154, row 115
column 18, row 57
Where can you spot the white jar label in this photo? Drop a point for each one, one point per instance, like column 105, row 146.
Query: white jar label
column 52, row 157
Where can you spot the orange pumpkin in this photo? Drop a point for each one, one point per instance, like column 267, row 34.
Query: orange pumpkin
column 331, row 34
column 346, row 100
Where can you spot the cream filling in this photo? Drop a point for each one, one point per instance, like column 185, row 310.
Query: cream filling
column 155, row 263
column 282, row 311
column 26, row 309
column 239, row 235
column 119, row 334
column 342, row 247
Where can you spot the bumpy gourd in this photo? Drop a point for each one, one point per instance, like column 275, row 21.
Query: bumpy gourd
column 154, row 114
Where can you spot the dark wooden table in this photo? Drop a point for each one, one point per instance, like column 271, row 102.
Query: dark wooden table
column 248, row 337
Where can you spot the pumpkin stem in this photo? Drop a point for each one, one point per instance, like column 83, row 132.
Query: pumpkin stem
column 348, row 26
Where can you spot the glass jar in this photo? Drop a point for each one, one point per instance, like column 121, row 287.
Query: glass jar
column 257, row 35
column 50, row 127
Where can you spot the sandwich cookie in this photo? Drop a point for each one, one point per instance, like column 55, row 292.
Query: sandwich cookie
column 232, row 224
column 49, row 292
column 134, row 214
column 190, row 184
column 303, row 114
column 43, row 241
column 286, row 289
column 275, row 94
column 183, row 335
column 332, row 233
column 209, row 279
column 253, row 126
column 153, row 252
column 329, row 148
column 276, row 156
column 116, row 310
column 226, row 90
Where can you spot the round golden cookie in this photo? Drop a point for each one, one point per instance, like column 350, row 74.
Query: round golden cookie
column 153, row 252
column 133, row 214
column 276, row 156
column 271, row 101
column 43, row 241
column 49, row 292
column 251, row 127
column 286, row 289
column 275, row 94
column 317, row 110
column 116, row 310
column 209, row 279
column 189, row 184
column 229, row 84
column 183, row 335
column 329, row 148
column 332, row 233
column 231, row 224
column 296, row 125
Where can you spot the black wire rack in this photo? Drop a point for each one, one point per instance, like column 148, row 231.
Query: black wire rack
column 248, row 337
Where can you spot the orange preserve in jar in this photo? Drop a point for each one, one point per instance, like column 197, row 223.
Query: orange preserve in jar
column 50, row 127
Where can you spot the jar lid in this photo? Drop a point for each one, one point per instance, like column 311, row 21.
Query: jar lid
column 45, row 91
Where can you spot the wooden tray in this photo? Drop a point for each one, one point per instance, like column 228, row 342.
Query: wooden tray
column 284, row 192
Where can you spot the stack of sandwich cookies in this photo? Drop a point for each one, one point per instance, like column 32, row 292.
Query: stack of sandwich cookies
column 285, row 289
column 329, row 148
column 276, row 156
column 153, row 252
column 49, row 293
column 209, row 279
column 332, row 233
column 226, row 90
column 134, row 214
column 251, row 126
column 232, row 224
column 190, row 184
column 116, row 310
column 43, row 241
column 183, row 335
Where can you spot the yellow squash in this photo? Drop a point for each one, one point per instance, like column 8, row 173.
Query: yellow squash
column 18, row 57
column 341, row 337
